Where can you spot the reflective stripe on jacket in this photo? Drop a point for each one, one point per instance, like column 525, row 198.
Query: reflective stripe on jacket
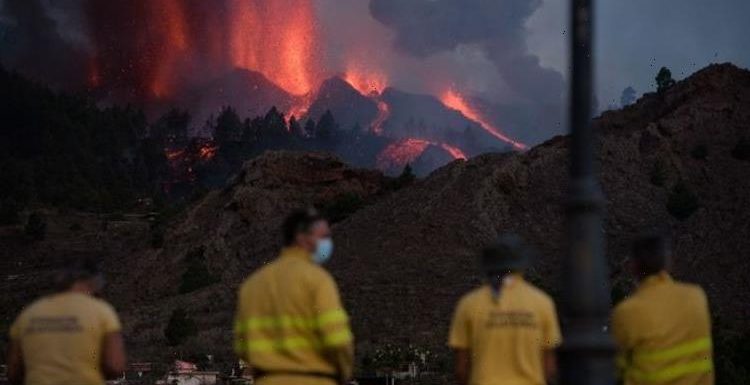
column 288, row 315
column 663, row 333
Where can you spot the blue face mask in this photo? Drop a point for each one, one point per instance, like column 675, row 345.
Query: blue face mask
column 323, row 250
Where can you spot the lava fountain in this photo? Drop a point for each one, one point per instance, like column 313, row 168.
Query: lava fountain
column 454, row 100
column 151, row 48
column 277, row 38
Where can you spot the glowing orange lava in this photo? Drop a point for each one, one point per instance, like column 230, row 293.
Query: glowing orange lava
column 454, row 100
column 367, row 83
column 173, row 154
column 401, row 153
column 277, row 38
column 455, row 152
column 172, row 18
column 384, row 112
column 300, row 106
column 207, row 151
column 372, row 85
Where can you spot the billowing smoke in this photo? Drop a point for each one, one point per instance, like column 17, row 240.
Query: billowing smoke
column 429, row 27
column 30, row 40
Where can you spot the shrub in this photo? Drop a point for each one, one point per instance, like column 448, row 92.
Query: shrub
column 664, row 79
column 196, row 276
column 658, row 173
column 682, row 202
column 179, row 327
column 36, row 227
column 699, row 152
column 406, row 178
column 741, row 150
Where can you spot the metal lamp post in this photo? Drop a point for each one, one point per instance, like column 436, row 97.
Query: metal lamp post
column 586, row 357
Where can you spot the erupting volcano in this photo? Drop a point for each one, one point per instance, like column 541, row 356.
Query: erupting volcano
column 254, row 55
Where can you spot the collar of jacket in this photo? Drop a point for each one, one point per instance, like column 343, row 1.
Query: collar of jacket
column 655, row 279
column 510, row 280
column 296, row 252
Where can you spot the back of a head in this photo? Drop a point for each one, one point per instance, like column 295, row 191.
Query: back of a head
column 298, row 221
column 507, row 254
column 78, row 269
column 651, row 253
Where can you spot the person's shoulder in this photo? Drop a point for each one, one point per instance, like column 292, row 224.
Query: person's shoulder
column 32, row 308
column 536, row 294
column 97, row 304
column 316, row 276
column 472, row 298
column 629, row 305
column 257, row 276
column 317, row 272
column 691, row 290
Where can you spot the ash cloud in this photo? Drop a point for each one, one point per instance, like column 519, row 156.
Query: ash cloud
column 428, row 27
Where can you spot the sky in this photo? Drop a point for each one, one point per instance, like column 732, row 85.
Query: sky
column 634, row 38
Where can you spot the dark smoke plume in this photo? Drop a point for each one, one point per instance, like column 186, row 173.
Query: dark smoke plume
column 427, row 27
column 31, row 43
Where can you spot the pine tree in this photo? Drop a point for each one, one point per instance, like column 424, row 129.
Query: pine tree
column 295, row 128
column 228, row 126
column 664, row 80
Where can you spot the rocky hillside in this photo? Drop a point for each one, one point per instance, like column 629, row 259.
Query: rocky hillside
column 678, row 160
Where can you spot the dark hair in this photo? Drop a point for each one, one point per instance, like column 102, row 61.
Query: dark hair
column 77, row 269
column 651, row 253
column 299, row 221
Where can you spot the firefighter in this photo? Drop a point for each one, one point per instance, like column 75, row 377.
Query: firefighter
column 69, row 337
column 505, row 332
column 290, row 326
column 663, row 331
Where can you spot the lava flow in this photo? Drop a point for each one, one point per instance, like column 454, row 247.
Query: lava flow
column 454, row 100
column 401, row 153
column 384, row 112
column 372, row 85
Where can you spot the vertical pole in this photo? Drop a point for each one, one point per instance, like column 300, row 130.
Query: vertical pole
column 586, row 357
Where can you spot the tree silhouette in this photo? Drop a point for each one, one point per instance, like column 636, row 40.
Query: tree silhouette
column 228, row 126
column 664, row 80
